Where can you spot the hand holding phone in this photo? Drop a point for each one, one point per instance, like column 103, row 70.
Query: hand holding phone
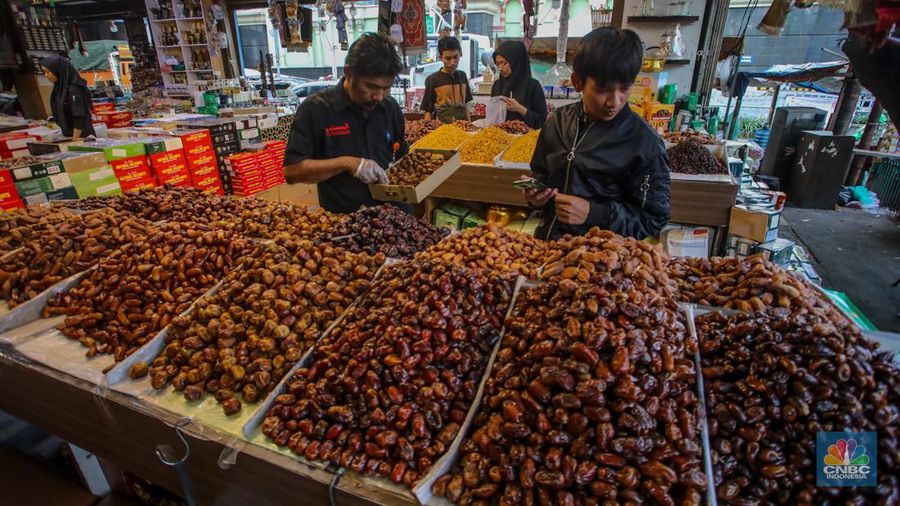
column 536, row 193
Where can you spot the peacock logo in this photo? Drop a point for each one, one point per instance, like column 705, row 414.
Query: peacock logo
column 846, row 459
column 846, row 452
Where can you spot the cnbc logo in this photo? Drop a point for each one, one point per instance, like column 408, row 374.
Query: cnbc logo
column 844, row 459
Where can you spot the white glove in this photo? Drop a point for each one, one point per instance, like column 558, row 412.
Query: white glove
column 369, row 172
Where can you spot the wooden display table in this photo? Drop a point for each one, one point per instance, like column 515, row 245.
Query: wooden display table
column 696, row 200
column 113, row 427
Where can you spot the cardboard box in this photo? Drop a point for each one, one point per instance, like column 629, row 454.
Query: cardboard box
column 52, row 146
column 759, row 224
column 177, row 179
column 199, row 150
column 14, row 141
column 683, row 241
column 113, row 149
column 135, row 164
column 163, row 145
column 77, row 162
column 91, row 177
column 8, row 193
column 32, row 186
column 415, row 195
column 659, row 116
column 12, row 203
column 647, row 83
column 214, row 125
column 778, row 251
column 168, row 157
column 194, row 137
column 104, row 107
column 102, row 188
column 450, row 216
column 245, row 122
column 39, row 169
column 6, row 178
column 138, row 184
column 204, row 170
column 171, row 170
column 42, row 198
column 739, row 246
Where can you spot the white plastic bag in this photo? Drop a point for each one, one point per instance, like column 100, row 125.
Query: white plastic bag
column 495, row 111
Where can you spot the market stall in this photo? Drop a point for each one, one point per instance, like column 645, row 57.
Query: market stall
column 382, row 351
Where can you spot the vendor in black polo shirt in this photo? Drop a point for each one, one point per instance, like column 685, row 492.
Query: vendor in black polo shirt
column 345, row 137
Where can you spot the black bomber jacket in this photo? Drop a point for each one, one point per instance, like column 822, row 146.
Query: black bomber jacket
column 620, row 167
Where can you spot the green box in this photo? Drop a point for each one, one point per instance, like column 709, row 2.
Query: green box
column 113, row 149
column 102, row 188
column 778, row 251
column 473, row 220
column 32, row 186
column 63, row 194
column 41, row 169
column 450, row 216
column 91, row 177
column 158, row 145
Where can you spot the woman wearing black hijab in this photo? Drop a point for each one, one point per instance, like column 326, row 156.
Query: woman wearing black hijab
column 70, row 101
column 522, row 93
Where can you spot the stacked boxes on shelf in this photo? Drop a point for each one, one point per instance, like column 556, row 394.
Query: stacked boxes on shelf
column 14, row 144
column 90, row 175
column 201, row 160
column 46, row 178
column 9, row 197
column 256, row 170
column 127, row 158
column 167, row 160
column 106, row 113
column 224, row 138
column 248, row 132
column 753, row 226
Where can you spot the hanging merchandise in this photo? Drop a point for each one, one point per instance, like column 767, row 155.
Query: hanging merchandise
column 396, row 6
column 529, row 27
column 560, row 75
column 292, row 22
column 459, row 17
column 397, row 33
column 413, row 21
column 340, row 19
column 218, row 13
column 678, row 50
column 444, row 6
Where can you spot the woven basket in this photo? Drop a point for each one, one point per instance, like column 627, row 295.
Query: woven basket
column 601, row 17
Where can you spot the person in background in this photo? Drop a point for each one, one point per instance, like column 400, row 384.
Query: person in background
column 70, row 101
column 603, row 165
column 447, row 92
column 344, row 137
column 523, row 94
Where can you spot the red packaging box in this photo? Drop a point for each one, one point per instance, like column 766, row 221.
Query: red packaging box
column 138, row 184
column 204, row 170
column 16, row 203
column 191, row 138
column 161, row 159
column 6, row 179
column 178, row 179
column 202, row 160
column 14, row 141
column 132, row 164
column 171, row 170
column 207, row 181
column 199, row 150
column 16, row 153
column 119, row 124
column 9, row 193
column 109, row 116
column 104, row 107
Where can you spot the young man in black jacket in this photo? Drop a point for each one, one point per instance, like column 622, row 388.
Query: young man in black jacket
column 603, row 164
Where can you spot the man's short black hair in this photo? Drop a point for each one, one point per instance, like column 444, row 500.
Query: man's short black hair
column 373, row 55
column 448, row 43
column 609, row 55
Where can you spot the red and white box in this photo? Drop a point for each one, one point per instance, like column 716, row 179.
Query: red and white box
column 9, row 198
column 104, row 107
column 14, row 141
column 194, row 138
column 138, row 184
column 115, row 119
column 131, row 169
column 6, row 179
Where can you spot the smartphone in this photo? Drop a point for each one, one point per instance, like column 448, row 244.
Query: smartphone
column 528, row 184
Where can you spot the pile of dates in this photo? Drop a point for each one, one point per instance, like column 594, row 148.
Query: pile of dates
column 691, row 157
column 61, row 249
column 138, row 288
column 387, row 391
column 493, row 250
column 170, row 203
column 415, row 168
column 386, row 229
column 515, row 127
column 600, row 256
column 416, row 129
column 269, row 220
column 747, row 284
column 591, row 400
column 20, row 225
column 773, row 380
column 238, row 343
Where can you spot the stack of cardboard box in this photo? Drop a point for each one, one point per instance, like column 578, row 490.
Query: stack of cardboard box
column 14, row 144
column 248, row 132
column 753, row 227
column 106, row 113
column 91, row 175
column 167, row 161
column 201, row 159
column 276, row 167
column 47, row 179
column 127, row 158
column 9, row 197
column 224, row 137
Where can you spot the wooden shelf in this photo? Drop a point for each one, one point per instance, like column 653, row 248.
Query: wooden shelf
column 190, row 19
column 170, row 20
column 168, row 47
column 663, row 19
